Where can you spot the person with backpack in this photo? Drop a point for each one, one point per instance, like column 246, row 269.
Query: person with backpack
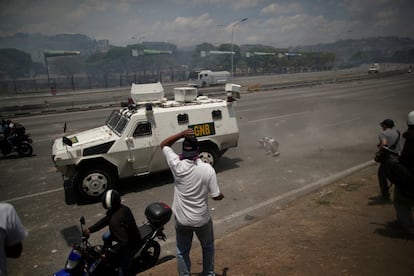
column 402, row 175
column 387, row 147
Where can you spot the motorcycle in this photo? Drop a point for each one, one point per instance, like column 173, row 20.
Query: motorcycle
column 88, row 260
column 22, row 144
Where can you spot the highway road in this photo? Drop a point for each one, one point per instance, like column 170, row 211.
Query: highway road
column 322, row 131
column 27, row 104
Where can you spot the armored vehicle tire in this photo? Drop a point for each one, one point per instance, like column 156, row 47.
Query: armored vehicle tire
column 92, row 182
column 204, row 84
column 148, row 257
column 25, row 149
column 208, row 154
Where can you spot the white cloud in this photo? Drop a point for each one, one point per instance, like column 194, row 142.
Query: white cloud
column 219, row 4
column 196, row 21
column 190, row 23
column 278, row 9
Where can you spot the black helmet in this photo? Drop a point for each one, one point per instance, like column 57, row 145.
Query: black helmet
column 111, row 199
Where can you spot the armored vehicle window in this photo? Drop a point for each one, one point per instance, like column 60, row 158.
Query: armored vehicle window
column 182, row 118
column 216, row 114
column 121, row 125
column 143, row 129
column 116, row 122
column 113, row 119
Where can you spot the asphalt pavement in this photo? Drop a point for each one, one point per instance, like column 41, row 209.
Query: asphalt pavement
column 337, row 229
column 262, row 236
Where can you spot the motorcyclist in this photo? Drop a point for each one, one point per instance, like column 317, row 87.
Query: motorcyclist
column 17, row 129
column 2, row 125
column 7, row 137
column 122, row 227
column 11, row 130
column 5, row 124
column 2, row 129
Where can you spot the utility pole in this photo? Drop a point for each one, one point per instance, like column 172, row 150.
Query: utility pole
column 232, row 35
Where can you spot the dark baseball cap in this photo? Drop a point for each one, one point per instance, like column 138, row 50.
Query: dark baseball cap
column 387, row 123
column 190, row 148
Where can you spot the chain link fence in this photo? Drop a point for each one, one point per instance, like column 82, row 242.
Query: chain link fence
column 85, row 82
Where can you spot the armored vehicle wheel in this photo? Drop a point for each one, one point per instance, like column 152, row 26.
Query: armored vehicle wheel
column 92, row 182
column 208, row 155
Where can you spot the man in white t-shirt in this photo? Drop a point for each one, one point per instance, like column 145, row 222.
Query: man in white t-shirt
column 12, row 234
column 194, row 180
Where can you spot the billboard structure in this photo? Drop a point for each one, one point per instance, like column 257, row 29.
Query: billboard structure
column 56, row 53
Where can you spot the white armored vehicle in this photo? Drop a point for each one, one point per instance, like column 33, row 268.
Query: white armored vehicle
column 129, row 143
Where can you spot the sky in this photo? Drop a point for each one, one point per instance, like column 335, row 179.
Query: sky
column 190, row 22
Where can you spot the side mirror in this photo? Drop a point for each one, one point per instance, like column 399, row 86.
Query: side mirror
column 82, row 220
column 67, row 141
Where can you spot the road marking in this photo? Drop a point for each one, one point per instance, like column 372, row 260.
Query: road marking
column 277, row 117
column 291, row 195
column 33, row 195
column 340, row 123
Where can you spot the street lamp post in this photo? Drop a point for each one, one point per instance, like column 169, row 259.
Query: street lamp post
column 232, row 33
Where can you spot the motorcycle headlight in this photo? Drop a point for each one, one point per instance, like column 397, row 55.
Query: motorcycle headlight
column 97, row 249
column 73, row 259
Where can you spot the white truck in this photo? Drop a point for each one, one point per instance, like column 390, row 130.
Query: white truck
column 374, row 68
column 129, row 143
column 206, row 78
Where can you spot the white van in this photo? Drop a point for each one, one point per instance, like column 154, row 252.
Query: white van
column 128, row 144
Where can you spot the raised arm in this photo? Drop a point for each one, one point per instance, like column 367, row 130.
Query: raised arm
column 169, row 141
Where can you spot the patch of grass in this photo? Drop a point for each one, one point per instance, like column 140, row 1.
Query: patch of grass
column 351, row 187
column 324, row 201
column 253, row 87
column 325, row 197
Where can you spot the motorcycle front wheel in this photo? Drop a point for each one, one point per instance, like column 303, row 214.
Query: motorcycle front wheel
column 148, row 257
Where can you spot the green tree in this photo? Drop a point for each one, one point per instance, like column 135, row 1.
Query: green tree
column 15, row 63
column 116, row 60
column 260, row 63
column 203, row 62
column 67, row 65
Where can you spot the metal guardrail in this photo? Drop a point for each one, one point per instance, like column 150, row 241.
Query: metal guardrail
column 305, row 83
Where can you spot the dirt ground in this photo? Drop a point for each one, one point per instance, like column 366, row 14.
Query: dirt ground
column 338, row 230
